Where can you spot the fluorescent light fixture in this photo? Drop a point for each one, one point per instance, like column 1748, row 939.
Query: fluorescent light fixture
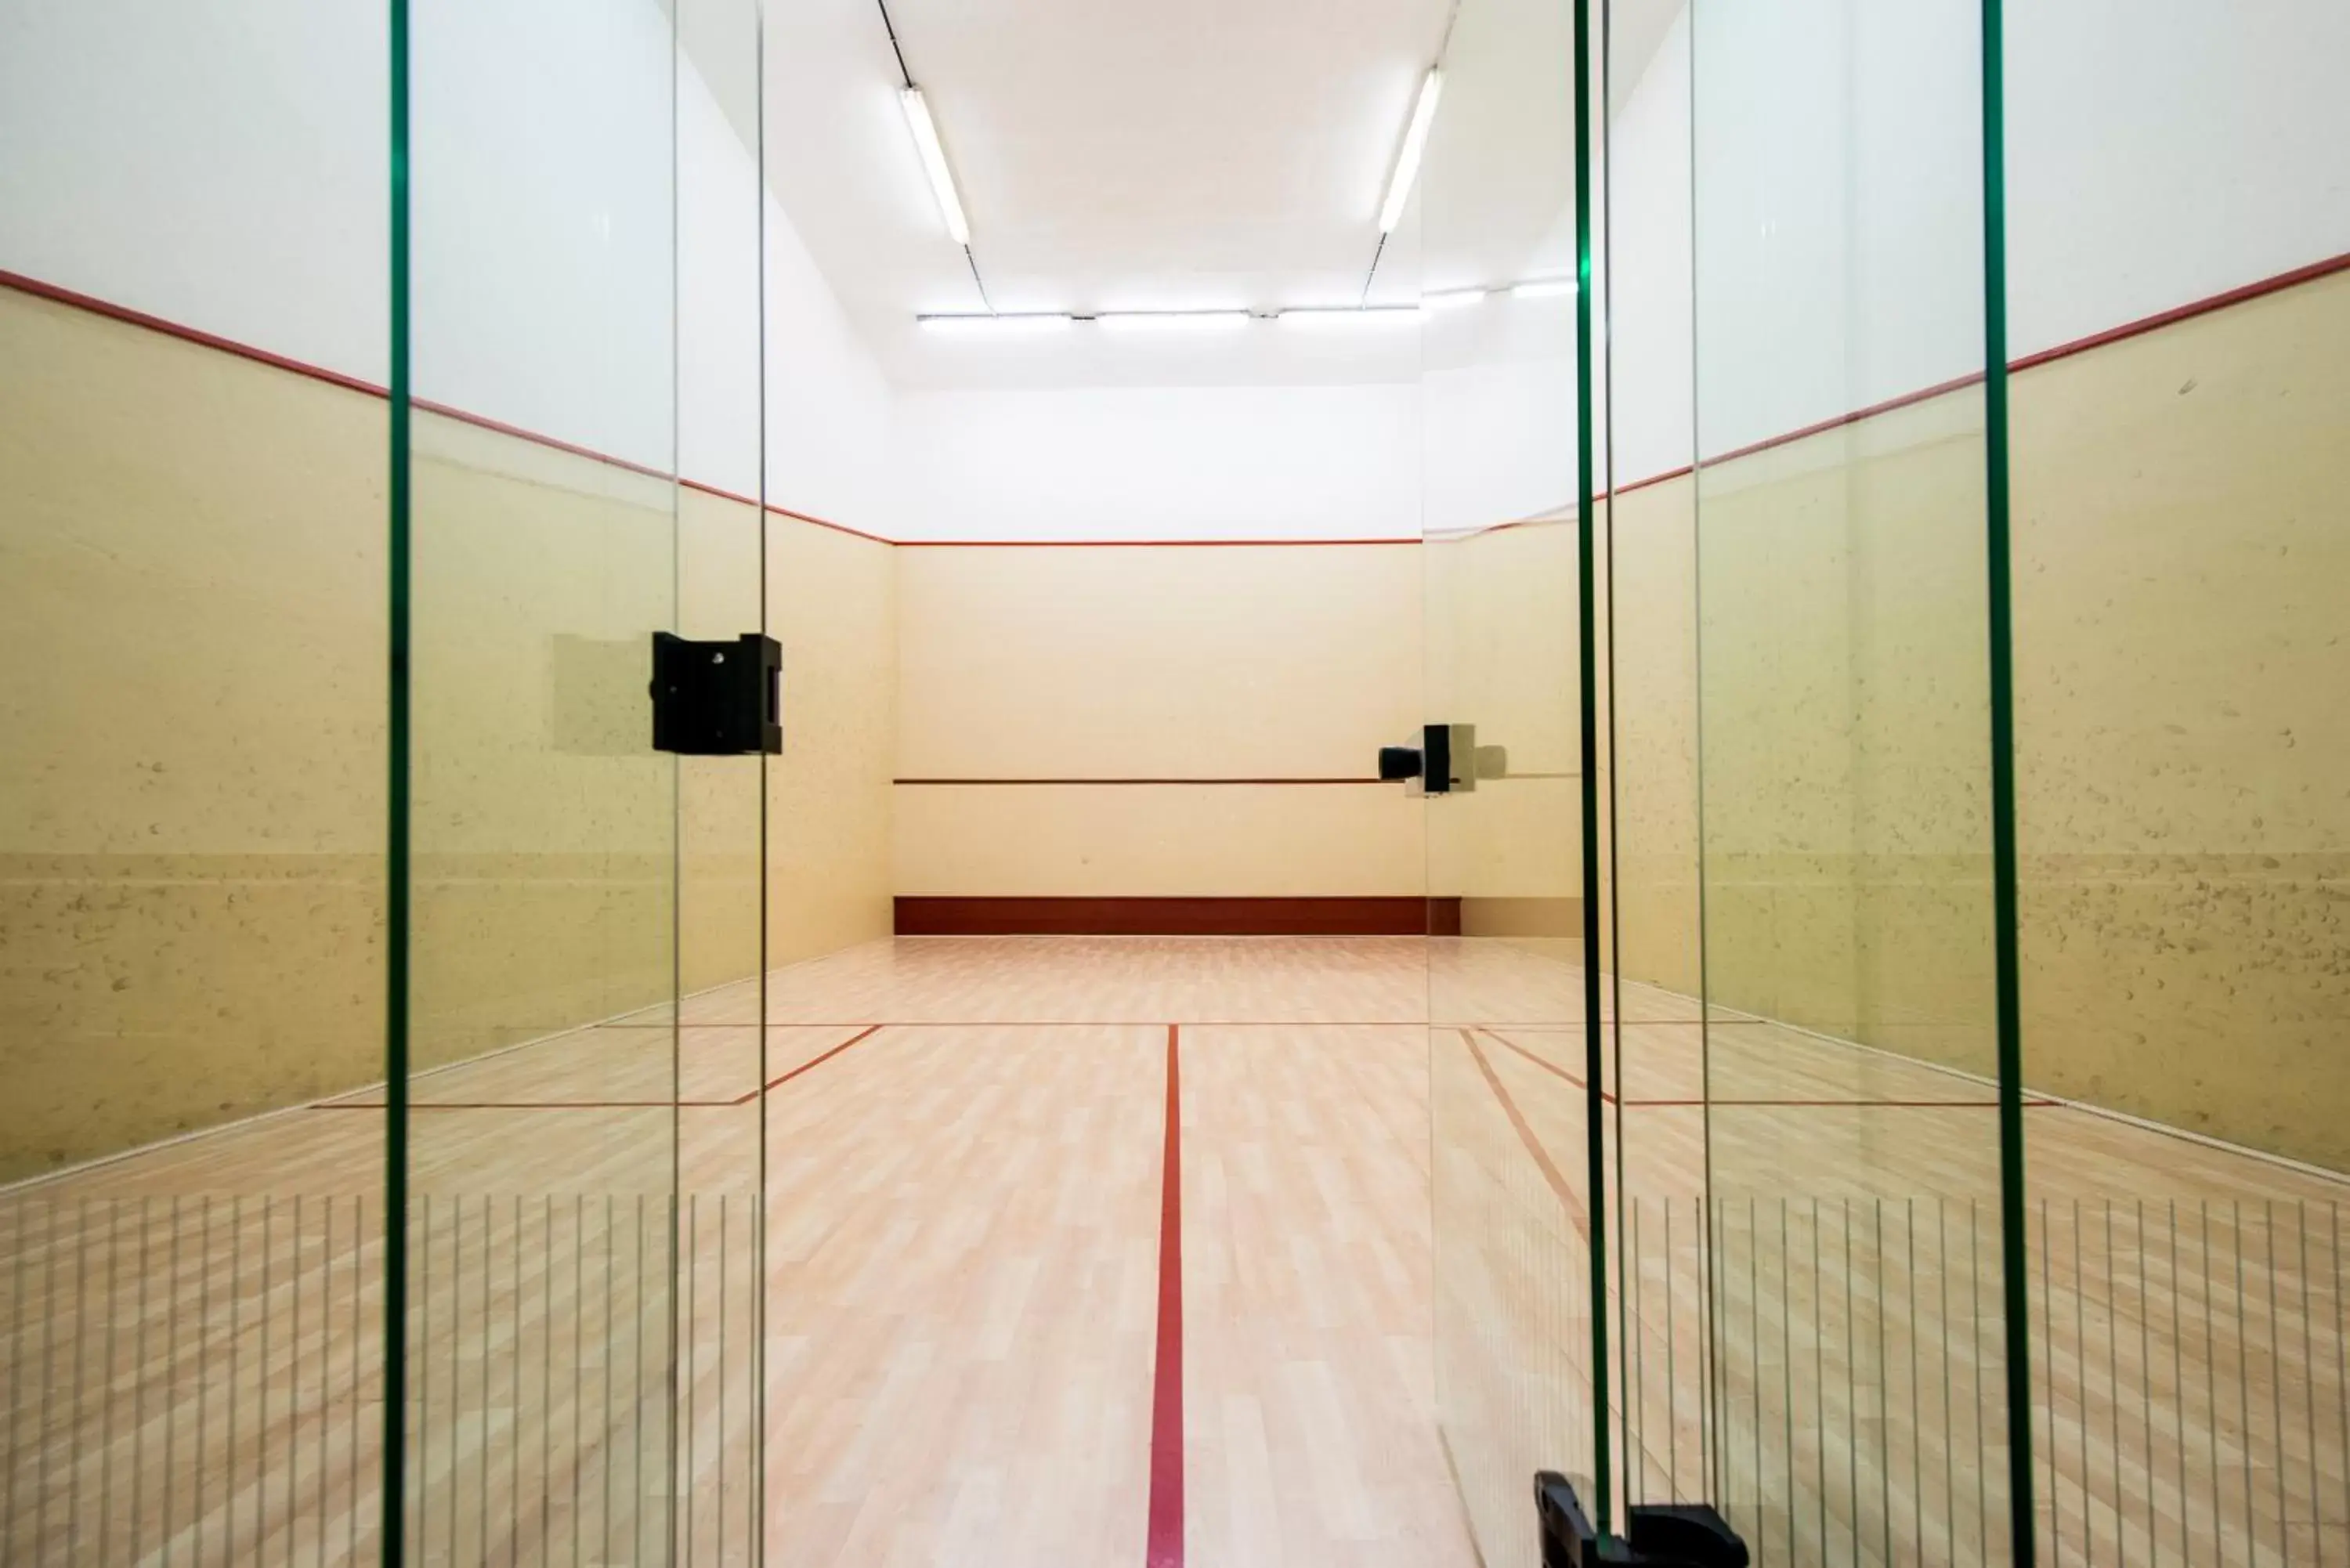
column 1542, row 288
column 1451, row 299
column 1347, row 315
column 1172, row 320
column 934, row 163
column 1009, row 324
column 1415, row 143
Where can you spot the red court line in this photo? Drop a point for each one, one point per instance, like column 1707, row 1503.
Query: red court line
column 1577, row 1028
column 1842, row 1105
column 744, row 1098
column 817, row 1062
column 1138, row 543
column 1080, row 1024
column 1164, row 1547
column 1549, row 1066
column 1170, row 781
column 1558, row 1183
column 1544, row 1062
column 526, row 1105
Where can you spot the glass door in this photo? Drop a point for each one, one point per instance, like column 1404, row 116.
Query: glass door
column 1520, row 1217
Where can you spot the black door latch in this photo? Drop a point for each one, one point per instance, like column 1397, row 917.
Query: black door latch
column 1448, row 760
column 1657, row 1535
column 718, row 698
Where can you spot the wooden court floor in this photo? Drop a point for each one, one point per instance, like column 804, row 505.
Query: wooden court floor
column 1251, row 1250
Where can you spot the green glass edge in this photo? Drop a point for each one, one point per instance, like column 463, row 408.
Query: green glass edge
column 2002, row 618
column 1593, row 1034
column 396, row 843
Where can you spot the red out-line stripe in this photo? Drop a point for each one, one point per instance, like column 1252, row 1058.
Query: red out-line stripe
column 2274, row 284
column 1163, row 1545
column 197, row 336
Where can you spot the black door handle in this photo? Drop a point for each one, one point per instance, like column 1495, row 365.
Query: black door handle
column 1448, row 760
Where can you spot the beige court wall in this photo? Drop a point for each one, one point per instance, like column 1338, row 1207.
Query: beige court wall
column 1504, row 656
column 1156, row 663
column 192, row 643
column 191, row 688
column 2181, row 547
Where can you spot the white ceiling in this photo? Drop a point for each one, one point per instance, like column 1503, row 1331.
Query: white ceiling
column 1137, row 154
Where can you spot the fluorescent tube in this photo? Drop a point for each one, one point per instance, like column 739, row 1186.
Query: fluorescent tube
column 934, row 164
column 1415, row 143
column 1543, row 287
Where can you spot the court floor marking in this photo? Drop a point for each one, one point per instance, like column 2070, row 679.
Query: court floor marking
column 1163, row 1546
column 744, row 1099
column 1557, row 1182
column 1555, row 1069
column 2083, row 1107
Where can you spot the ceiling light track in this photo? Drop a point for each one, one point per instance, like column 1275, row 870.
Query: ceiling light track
column 1186, row 320
column 904, row 76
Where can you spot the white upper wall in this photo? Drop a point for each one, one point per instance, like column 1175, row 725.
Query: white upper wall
column 228, row 172
column 232, row 176
column 2159, row 152
column 1165, row 463
column 228, row 176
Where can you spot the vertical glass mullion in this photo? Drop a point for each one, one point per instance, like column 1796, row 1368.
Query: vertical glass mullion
column 1587, row 675
column 2007, row 980
column 397, row 823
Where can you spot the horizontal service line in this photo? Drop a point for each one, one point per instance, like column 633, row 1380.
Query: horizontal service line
column 1141, row 544
column 1105, row 1023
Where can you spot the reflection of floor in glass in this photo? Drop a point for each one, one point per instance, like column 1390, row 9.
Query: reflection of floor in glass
column 2188, row 1368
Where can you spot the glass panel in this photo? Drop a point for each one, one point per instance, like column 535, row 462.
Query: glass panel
column 542, row 1173
column 1507, row 1051
column 191, row 784
column 1646, row 718
column 2181, row 750
column 724, row 1059
column 1850, row 1060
